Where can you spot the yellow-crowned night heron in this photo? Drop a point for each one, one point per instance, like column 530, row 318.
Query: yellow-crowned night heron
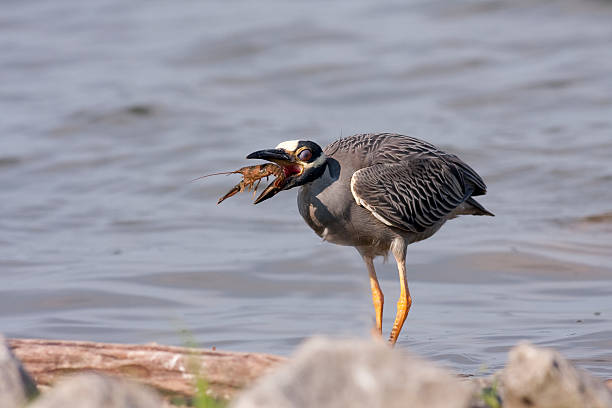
column 378, row 193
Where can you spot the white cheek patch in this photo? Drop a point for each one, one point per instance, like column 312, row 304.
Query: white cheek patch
column 289, row 145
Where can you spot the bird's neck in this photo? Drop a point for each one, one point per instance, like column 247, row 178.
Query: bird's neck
column 315, row 173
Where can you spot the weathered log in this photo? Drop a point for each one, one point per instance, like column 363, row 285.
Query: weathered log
column 170, row 370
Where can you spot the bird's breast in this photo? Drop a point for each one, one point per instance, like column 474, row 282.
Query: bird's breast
column 327, row 206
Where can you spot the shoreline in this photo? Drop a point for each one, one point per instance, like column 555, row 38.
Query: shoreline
column 176, row 373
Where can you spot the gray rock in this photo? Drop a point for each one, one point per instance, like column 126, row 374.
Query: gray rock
column 542, row 378
column 16, row 386
column 97, row 391
column 354, row 373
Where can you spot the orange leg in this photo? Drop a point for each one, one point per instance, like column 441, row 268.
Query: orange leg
column 377, row 296
column 404, row 302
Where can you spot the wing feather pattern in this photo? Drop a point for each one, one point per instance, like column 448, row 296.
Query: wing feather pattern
column 412, row 195
column 390, row 148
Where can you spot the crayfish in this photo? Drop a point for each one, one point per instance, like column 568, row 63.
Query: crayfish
column 251, row 178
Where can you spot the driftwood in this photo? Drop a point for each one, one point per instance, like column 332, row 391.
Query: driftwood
column 170, row 370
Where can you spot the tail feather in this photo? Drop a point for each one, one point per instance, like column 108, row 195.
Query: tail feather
column 480, row 210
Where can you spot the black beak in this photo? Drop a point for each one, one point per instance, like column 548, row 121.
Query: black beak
column 269, row 192
column 273, row 155
column 280, row 157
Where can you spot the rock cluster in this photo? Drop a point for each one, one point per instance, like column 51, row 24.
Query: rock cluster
column 89, row 390
column 535, row 377
column 16, row 386
column 332, row 373
column 355, row 373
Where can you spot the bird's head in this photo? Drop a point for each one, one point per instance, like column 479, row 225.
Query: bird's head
column 302, row 161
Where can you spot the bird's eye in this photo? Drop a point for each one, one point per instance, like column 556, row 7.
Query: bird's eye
column 305, row 155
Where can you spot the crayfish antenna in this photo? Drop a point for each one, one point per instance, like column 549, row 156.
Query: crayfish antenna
column 215, row 174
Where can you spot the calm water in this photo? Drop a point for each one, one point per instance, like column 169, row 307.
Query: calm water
column 109, row 109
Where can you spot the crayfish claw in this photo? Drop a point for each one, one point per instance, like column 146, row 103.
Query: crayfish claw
column 237, row 188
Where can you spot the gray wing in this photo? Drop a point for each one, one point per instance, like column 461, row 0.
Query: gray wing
column 370, row 149
column 411, row 195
